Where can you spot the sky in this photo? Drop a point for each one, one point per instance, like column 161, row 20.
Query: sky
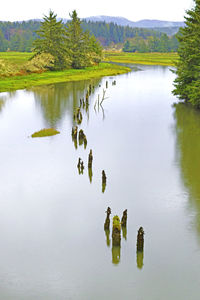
column 134, row 10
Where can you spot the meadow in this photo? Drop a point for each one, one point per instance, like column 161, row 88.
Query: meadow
column 162, row 59
column 13, row 77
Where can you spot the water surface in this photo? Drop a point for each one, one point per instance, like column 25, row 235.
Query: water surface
column 53, row 244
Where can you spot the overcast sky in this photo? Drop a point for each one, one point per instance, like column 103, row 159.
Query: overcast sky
column 134, row 10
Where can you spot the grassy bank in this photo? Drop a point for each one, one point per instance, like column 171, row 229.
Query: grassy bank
column 16, row 60
column 163, row 59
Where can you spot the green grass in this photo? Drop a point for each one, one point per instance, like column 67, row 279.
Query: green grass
column 16, row 58
column 45, row 132
column 11, row 83
column 164, row 59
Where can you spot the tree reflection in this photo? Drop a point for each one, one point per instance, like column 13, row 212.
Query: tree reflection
column 5, row 97
column 188, row 148
column 140, row 259
column 56, row 99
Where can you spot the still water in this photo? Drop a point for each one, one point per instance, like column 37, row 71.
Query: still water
column 52, row 239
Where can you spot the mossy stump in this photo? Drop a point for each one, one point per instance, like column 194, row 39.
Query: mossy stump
column 140, row 240
column 116, row 231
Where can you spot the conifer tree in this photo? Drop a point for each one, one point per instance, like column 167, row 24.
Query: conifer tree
column 187, row 82
column 77, row 43
column 52, row 40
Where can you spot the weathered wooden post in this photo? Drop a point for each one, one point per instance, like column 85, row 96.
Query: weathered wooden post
column 82, row 167
column 107, row 221
column 106, row 84
column 81, row 137
column 107, row 226
column 124, row 218
column 103, row 181
column 85, row 142
column 90, row 159
column 79, row 165
column 140, row 240
column 116, row 231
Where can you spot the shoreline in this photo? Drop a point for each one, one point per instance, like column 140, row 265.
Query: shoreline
column 13, row 83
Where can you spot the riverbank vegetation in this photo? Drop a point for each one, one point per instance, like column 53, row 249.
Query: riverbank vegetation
column 45, row 132
column 163, row 59
column 11, row 83
column 187, row 82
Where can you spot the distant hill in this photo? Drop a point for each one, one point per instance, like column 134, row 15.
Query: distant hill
column 140, row 24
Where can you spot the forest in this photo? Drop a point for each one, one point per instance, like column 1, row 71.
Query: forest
column 19, row 36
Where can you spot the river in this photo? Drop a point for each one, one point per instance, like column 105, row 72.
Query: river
column 52, row 239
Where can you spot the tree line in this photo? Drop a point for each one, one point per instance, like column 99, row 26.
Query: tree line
column 19, row 36
column 164, row 43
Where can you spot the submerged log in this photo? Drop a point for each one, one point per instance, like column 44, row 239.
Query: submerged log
column 140, row 240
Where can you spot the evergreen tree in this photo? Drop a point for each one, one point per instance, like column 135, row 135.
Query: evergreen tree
column 77, row 43
column 52, row 40
column 83, row 49
column 188, row 68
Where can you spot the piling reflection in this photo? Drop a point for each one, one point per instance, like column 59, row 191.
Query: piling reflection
column 188, row 149
column 107, row 233
column 124, row 232
column 140, row 259
column 116, row 251
column 90, row 159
